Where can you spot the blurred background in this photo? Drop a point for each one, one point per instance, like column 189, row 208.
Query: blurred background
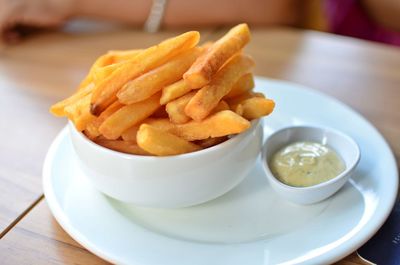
column 366, row 19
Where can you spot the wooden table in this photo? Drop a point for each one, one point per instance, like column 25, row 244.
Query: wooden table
column 48, row 67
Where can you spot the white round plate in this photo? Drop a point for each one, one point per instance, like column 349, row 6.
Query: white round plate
column 250, row 224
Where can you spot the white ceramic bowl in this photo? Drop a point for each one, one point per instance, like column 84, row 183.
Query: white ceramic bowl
column 172, row 181
column 342, row 144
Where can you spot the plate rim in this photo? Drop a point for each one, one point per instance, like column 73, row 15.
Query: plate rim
column 335, row 254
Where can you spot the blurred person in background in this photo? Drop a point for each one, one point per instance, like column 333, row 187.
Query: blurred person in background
column 367, row 19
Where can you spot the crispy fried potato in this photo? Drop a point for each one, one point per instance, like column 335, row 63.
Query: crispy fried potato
column 257, row 107
column 102, row 61
column 219, row 124
column 102, row 73
column 233, row 102
column 174, row 91
column 176, row 108
column 122, row 146
column 244, row 84
column 222, row 105
column 161, row 143
column 79, row 113
column 105, row 93
column 119, row 56
column 129, row 115
column 207, row 65
column 150, row 83
column 206, row 143
column 162, row 124
column 93, row 127
column 208, row 97
column 58, row 108
column 238, row 109
column 130, row 134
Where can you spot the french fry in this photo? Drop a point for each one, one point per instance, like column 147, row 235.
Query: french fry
column 233, row 102
column 161, row 143
column 91, row 132
column 162, row 124
column 102, row 61
column 105, row 93
column 123, row 55
column 207, row 65
column 257, row 107
column 244, row 84
column 101, row 73
column 130, row 134
column 122, row 146
column 176, row 108
column 206, row 143
column 58, row 108
column 79, row 113
column 222, row 105
column 151, row 82
column 208, row 97
column 93, row 127
column 238, row 109
column 174, row 91
column 219, row 124
column 129, row 115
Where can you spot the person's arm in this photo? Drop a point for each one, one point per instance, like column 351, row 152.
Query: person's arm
column 178, row 13
column 192, row 13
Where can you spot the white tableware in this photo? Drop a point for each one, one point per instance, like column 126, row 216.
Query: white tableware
column 342, row 144
column 171, row 181
column 249, row 225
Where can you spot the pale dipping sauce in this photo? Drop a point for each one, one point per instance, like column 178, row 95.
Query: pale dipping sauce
column 304, row 164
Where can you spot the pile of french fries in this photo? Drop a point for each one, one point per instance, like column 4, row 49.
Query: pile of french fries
column 172, row 98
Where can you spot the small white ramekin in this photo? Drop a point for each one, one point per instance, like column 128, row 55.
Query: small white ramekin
column 342, row 144
column 172, row 181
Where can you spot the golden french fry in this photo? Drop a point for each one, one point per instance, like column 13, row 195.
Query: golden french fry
column 174, row 91
column 257, row 107
column 206, row 143
column 176, row 108
column 102, row 61
column 130, row 134
column 151, row 82
column 101, row 73
column 129, row 115
column 219, row 124
column 238, row 109
column 105, row 93
column 122, row 146
column 222, row 105
column 93, row 127
column 207, row 65
column 208, row 97
column 58, row 108
column 79, row 113
column 244, row 84
column 235, row 101
column 123, row 55
column 161, row 143
column 162, row 124
column 91, row 132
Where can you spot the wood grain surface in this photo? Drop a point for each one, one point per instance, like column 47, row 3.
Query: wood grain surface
column 47, row 68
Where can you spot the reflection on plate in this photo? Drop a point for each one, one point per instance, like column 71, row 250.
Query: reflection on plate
column 250, row 224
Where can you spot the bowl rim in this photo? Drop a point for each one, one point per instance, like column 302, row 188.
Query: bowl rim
column 345, row 173
column 203, row 152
